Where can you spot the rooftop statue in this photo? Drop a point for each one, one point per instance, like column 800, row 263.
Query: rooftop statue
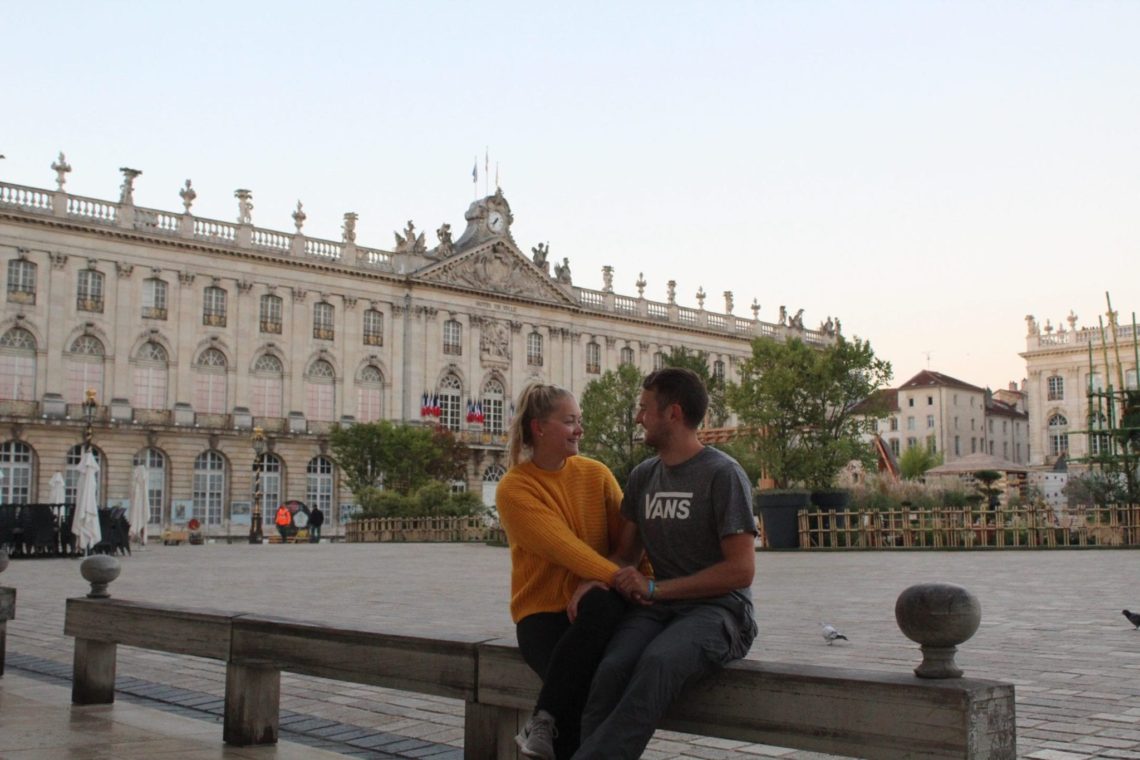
column 127, row 189
column 539, row 254
column 562, row 272
column 245, row 206
column 187, row 194
column 445, row 246
column 348, row 229
column 410, row 242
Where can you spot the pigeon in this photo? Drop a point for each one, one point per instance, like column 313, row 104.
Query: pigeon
column 1133, row 617
column 830, row 634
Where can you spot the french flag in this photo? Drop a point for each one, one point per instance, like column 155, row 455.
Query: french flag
column 479, row 412
column 470, row 411
column 425, row 410
column 436, row 409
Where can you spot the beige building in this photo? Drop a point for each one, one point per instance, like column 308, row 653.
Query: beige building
column 953, row 417
column 1061, row 365
column 193, row 331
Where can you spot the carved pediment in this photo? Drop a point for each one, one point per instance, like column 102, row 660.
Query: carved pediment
column 496, row 268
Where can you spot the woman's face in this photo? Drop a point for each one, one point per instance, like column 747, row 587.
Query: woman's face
column 559, row 433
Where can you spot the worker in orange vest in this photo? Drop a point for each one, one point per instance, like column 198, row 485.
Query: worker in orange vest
column 284, row 522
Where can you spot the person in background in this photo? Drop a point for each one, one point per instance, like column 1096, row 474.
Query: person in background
column 316, row 520
column 561, row 513
column 284, row 522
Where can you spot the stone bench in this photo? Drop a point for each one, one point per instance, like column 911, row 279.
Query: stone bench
column 840, row 711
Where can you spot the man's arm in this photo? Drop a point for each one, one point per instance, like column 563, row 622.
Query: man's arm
column 735, row 571
column 627, row 553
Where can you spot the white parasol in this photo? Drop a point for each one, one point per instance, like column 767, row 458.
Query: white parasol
column 140, row 505
column 85, row 523
column 58, row 493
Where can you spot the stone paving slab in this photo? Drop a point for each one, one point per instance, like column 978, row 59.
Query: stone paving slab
column 1051, row 624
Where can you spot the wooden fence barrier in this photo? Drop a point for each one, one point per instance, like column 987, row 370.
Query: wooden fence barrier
column 442, row 529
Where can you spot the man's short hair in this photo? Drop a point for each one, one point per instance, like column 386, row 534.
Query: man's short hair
column 678, row 385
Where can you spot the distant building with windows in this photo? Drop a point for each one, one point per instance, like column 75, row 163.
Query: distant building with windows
column 192, row 332
column 953, row 417
column 1061, row 365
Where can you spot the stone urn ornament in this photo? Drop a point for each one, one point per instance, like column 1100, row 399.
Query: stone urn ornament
column 99, row 570
column 939, row 616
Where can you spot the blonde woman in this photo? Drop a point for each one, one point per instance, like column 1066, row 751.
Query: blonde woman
column 561, row 512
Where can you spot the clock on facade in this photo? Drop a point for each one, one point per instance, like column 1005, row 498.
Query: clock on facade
column 496, row 222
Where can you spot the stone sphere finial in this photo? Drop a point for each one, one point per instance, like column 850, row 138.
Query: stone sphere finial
column 939, row 616
column 99, row 570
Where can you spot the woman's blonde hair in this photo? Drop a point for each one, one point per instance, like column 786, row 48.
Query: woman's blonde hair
column 536, row 402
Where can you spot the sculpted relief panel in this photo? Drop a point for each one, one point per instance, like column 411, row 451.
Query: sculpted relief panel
column 495, row 270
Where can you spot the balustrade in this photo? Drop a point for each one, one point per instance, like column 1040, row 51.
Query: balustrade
column 210, row 229
column 28, row 198
column 91, row 209
column 325, row 249
column 277, row 241
column 625, row 304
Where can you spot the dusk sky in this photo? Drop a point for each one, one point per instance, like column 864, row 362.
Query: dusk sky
column 929, row 172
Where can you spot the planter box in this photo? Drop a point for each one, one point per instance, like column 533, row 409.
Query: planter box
column 779, row 510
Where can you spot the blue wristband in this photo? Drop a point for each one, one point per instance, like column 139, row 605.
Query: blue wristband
column 652, row 589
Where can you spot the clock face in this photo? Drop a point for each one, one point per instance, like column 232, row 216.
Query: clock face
column 496, row 222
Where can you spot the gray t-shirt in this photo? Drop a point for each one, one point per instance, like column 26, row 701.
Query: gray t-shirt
column 683, row 512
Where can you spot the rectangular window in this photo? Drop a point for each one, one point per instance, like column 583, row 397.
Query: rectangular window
column 894, row 446
column 911, row 443
column 973, row 445
column 452, row 338
column 957, row 446
column 271, row 315
column 931, row 444
column 973, row 424
column 1005, row 450
column 910, row 402
column 21, row 281
column 593, row 358
column 534, row 350
column 154, row 299
column 214, row 307
column 323, row 314
column 991, row 448
column 1056, row 388
column 894, row 426
column 910, row 422
column 930, row 400
column 373, row 328
column 930, row 420
column 90, row 294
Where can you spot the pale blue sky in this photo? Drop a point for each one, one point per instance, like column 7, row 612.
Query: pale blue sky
column 930, row 172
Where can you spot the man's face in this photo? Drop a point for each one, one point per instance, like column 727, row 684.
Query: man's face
column 654, row 420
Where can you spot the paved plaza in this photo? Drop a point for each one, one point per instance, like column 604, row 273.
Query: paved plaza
column 1051, row 624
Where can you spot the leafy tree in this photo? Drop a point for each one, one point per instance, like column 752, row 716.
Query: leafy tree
column 609, row 408
column 803, row 399
column 985, row 484
column 698, row 361
column 402, row 457
column 916, row 460
column 1095, row 488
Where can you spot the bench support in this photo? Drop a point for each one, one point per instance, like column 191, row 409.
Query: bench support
column 489, row 731
column 7, row 612
column 93, row 672
column 253, row 698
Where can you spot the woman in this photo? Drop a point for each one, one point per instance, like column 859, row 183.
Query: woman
column 562, row 516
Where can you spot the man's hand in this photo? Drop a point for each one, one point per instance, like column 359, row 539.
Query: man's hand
column 584, row 588
column 631, row 584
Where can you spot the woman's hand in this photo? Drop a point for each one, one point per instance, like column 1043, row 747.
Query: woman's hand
column 631, row 584
column 584, row 588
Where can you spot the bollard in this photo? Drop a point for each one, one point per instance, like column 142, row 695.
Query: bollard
column 99, row 570
column 939, row 616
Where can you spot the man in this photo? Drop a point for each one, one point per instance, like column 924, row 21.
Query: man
column 316, row 520
column 690, row 509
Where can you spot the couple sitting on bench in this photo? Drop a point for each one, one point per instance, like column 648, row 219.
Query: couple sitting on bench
column 613, row 645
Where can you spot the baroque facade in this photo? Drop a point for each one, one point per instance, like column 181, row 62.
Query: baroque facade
column 193, row 332
column 1062, row 365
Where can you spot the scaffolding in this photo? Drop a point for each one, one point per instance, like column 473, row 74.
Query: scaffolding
column 1113, row 415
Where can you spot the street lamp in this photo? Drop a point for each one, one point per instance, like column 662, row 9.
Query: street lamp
column 257, row 440
column 89, row 407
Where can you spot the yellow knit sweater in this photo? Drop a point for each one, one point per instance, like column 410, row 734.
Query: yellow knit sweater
column 560, row 526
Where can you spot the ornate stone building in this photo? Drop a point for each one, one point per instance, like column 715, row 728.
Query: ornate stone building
column 194, row 331
column 1061, row 364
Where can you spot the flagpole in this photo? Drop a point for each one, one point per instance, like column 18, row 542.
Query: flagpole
column 486, row 170
column 475, row 178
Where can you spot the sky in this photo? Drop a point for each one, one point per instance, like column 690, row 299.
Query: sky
column 927, row 172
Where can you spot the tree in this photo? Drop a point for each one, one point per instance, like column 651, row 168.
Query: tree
column 802, row 401
column 403, row 458
column 985, row 485
column 916, row 460
column 698, row 361
column 609, row 408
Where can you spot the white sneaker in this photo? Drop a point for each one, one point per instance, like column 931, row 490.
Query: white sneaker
column 536, row 740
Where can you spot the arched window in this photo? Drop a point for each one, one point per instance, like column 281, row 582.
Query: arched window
column 154, row 298
column 1058, row 435
column 155, row 463
column 323, row 314
column 271, row 314
column 1098, row 441
column 369, row 395
column 214, row 307
column 84, row 368
column 491, row 477
column 150, row 377
column 493, row 397
column 450, row 391
column 16, row 467
column 209, row 487
column 272, row 492
column 265, row 385
column 1055, row 388
column 534, row 350
column 593, row 358
column 18, row 365
column 71, row 474
column 452, row 337
column 373, row 328
column 626, row 355
column 320, row 391
column 319, row 484
column 210, row 382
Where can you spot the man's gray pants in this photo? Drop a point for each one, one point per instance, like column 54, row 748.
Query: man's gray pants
column 654, row 653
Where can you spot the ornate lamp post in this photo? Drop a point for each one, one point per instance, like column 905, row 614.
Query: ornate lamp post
column 257, row 440
column 89, row 408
